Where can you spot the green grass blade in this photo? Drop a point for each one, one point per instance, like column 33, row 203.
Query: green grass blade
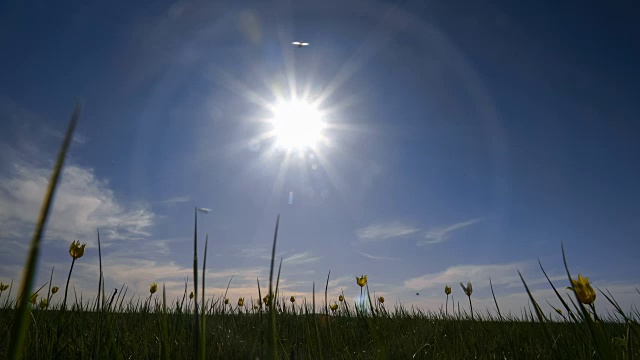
column 49, row 288
column 259, row 293
column 629, row 342
column 494, row 300
column 203, row 333
column 566, row 306
column 100, row 278
column 602, row 347
column 196, row 327
column 278, row 282
column 370, row 302
column 539, row 312
column 315, row 323
column 184, row 296
column 273, row 343
column 326, row 289
column 227, row 290
column 165, row 326
column 21, row 323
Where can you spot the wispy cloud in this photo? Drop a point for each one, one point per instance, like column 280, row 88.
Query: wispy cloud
column 382, row 231
column 375, row 257
column 502, row 274
column 438, row 235
column 175, row 200
column 301, row 258
column 254, row 252
column 83, row 203
column 342, row 281
column 263, row 253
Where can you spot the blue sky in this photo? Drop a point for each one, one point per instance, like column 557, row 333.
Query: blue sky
column 463, row 142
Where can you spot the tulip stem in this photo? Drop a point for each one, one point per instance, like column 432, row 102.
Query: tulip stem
column 471, row 307
column 446, row 306
column 66, row 288
column 595, row 315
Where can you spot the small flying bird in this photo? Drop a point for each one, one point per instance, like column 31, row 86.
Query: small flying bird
column 417, row 293
column 300, row 44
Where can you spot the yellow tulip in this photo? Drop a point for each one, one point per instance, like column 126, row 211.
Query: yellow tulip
column 292, row 299
column 362, row 281
column 255, row 307
column 226, row 301
column 76, row 250
column 191, row 296
column 241, row 302
column 447, row 289
column 468, row 289
column 583, row 290
column 333, row 307
column 34, row 298
column 153, row 288
column 341, row 298
column 54, row 289
column 43, row 303
column 266, row 300
column 381, row 299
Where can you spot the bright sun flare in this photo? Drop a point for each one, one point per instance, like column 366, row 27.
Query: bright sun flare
column 297, row 124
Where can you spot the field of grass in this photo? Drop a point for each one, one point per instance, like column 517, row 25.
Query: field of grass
column 117, row 329
column 45, row 324
column 136, row 333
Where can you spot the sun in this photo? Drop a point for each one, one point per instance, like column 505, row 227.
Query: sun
column 297, row 124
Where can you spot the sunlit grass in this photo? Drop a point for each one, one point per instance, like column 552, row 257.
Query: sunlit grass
column 39, row 325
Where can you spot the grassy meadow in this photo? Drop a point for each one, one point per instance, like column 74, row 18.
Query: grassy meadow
column 54, row 322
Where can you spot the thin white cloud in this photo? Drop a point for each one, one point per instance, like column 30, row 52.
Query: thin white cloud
column 175, row 200
column 375, row 257
column 385, row 231
column 501, row 274
column 254, row 253
column 263, row 253
column 342, row 281
column 438, row 235
column 257, row 252
column 301, row 258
